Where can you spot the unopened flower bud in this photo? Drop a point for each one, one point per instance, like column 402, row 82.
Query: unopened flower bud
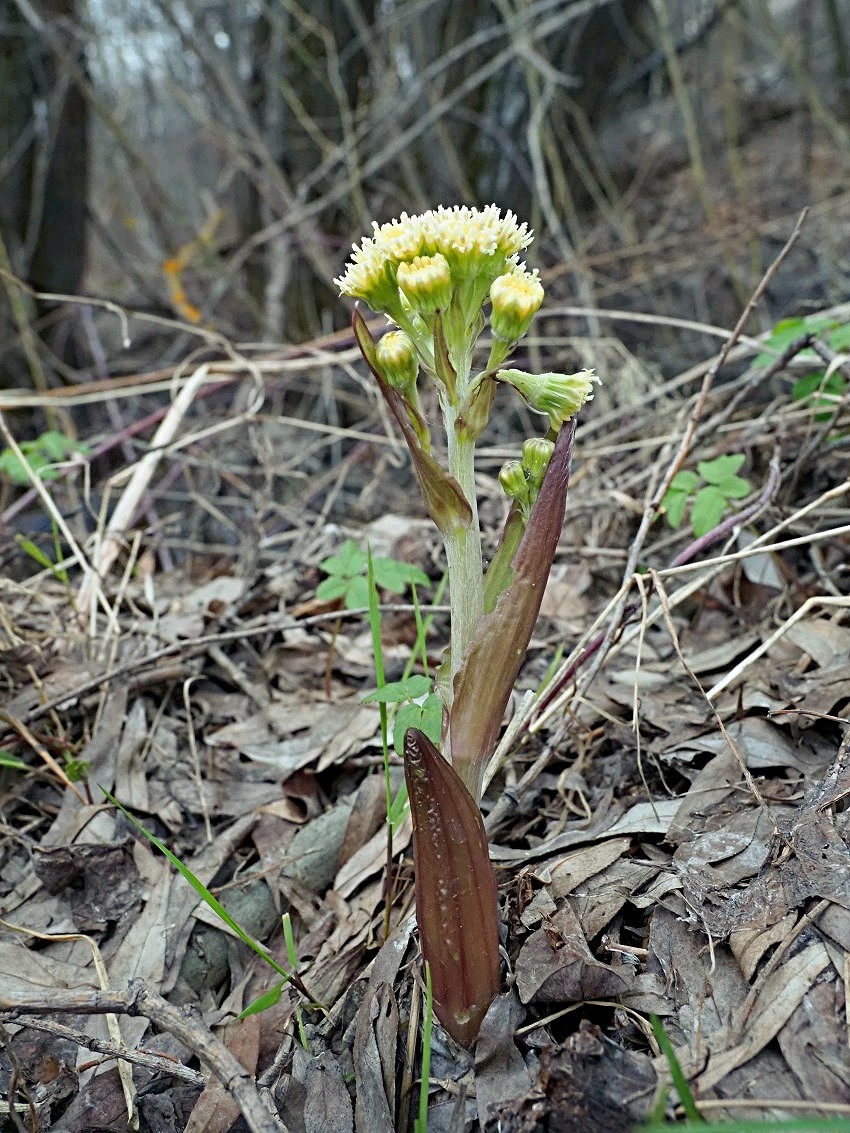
column 515, row 299
column 396, row 356
column 536, row 454
column 427, row 283
column 513, row 481
column 559, row 395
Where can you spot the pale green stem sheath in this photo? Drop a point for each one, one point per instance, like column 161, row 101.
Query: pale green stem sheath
column 463, row 551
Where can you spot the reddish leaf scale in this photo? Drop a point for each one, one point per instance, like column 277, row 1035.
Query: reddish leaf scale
column 456, row 894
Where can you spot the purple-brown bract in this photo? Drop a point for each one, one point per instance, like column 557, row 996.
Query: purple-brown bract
column 456, row 895
column 490, row 667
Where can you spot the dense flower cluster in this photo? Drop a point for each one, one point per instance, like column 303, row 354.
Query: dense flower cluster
column 460, row 243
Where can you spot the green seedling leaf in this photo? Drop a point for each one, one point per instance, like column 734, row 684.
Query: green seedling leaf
column 396, row 692
column 263, row 1002
column 836, row 333
column 684, row 481
column 12, row 761
column 56, row 446
column 50, row 448
column 708, row 490
column 784, row 333
column 721, row 468
column 839, row 339
column 821, row 392
column 427, row 717
column 349, row 561
column 674, row 504
column 35, row 552
column 357, row 593
column 399, row 809
column 817, row 382
column 679, row 1080
column 735, row 488
column 347, row 571
column 390, row 574
column 708, row 509
column 11, row 467
column 432, row 718
column 329, row 589
column 421, row 1124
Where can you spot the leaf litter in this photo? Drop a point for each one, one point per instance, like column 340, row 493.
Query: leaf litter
column 671, row 840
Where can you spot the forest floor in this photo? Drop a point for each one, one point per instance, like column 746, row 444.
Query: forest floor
column 669, row 828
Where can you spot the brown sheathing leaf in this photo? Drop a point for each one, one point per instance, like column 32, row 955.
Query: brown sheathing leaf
column 443, row 496
column 456, row 895
column 491, row 665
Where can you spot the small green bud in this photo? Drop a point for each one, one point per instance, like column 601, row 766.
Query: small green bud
column 396, row 356
column 559, row 395
column 427, row 283
column 513, row 481
column 536, row 454
column 515, row 299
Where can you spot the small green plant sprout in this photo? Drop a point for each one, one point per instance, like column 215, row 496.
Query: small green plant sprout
column 8, row 759
column 821, row 392
column 822, row 388
column 831, row 329
column 708, row 492
column 42, row 455
column 438, row 277
column 346, row 571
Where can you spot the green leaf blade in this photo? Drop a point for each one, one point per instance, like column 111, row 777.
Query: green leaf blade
column 708, row 509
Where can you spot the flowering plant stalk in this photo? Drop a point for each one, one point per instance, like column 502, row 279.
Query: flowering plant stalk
column 433, row 275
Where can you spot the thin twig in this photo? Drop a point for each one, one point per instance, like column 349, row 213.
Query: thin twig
column 159, row 1063
column 183, row 1023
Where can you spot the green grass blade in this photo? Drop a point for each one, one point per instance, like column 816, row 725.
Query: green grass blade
column 680, row 1082
column 206, row 896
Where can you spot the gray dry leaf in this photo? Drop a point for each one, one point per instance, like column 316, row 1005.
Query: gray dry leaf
column 296, row 730
column 327, row 1105
column 500, row 1071
column 375, row 1037
column 555, row 965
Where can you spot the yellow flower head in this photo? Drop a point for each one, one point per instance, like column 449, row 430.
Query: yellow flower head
column 427, row 283
column 477, row 244
column 515, row 298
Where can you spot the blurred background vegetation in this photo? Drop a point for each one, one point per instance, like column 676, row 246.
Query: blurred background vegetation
column 198, row 170
column 212, row 162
